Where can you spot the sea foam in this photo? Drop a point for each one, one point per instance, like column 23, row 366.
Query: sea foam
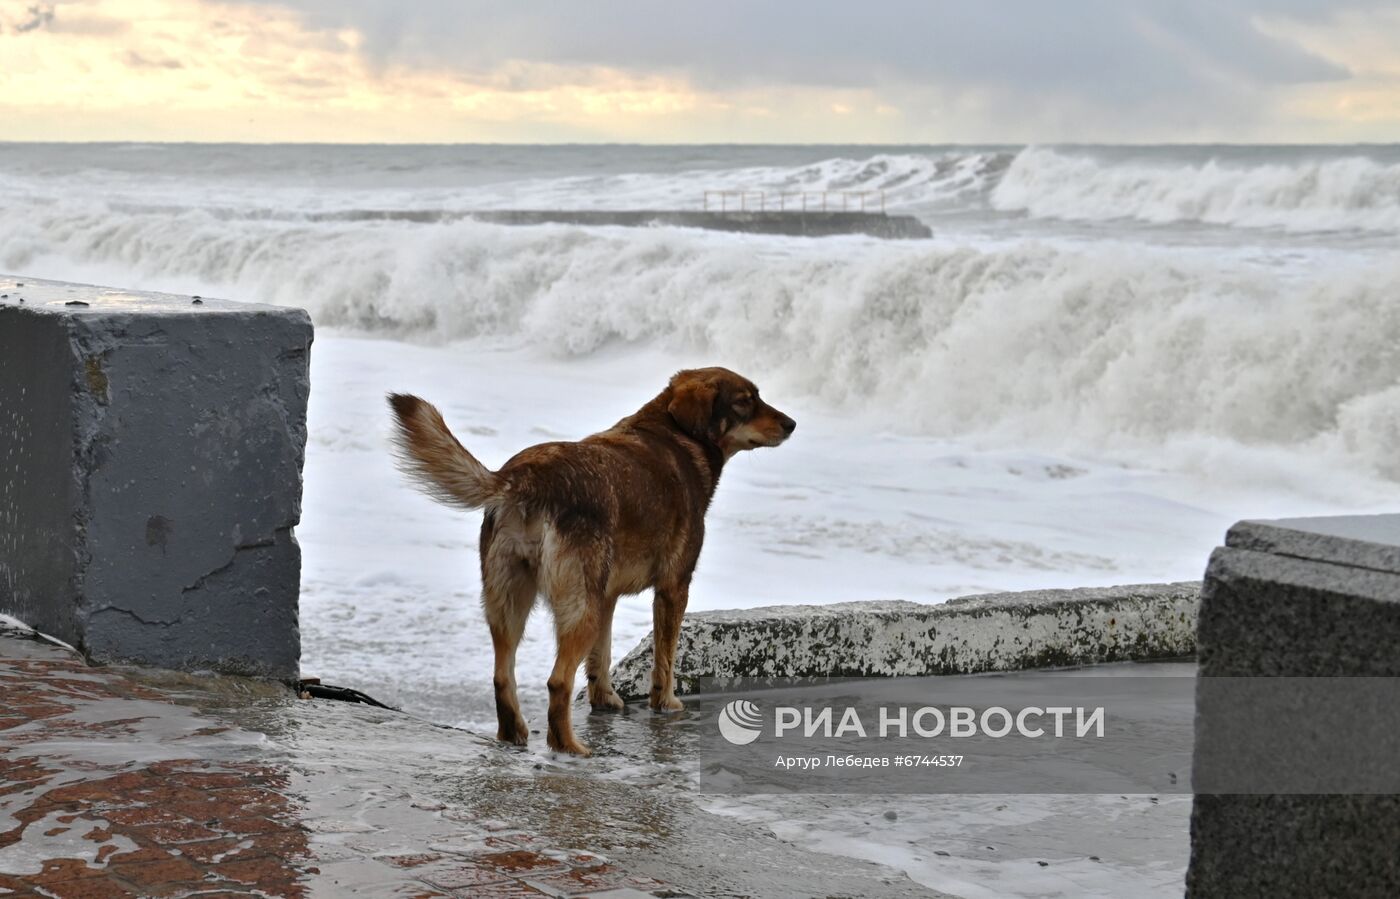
column 1324, row 194
column 1085, row 346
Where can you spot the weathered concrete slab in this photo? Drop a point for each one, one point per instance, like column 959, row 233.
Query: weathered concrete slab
column 1300, row 598
column 150, row 473
column 995, row 632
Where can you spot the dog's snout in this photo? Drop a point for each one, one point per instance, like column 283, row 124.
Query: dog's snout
column 788, row 424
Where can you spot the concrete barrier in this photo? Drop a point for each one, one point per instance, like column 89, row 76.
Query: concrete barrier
column 1315, row 598
column 812, row 223
column 150, row 474
column 995, row 632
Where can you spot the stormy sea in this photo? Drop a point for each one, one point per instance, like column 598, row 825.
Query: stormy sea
column 1103, row 357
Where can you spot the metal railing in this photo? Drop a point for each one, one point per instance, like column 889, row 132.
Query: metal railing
column 795, row 201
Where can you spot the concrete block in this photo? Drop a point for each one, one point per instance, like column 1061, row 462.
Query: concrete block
column 1314, row 598
column 1356, row 541
column 994, row 632
column 150, row 474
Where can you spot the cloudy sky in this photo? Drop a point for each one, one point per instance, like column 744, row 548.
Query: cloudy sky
column 928, row 71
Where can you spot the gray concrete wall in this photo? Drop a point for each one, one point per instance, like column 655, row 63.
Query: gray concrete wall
column 995, row 632
column 152, row 450
column 1309, row 598
column 38, row 494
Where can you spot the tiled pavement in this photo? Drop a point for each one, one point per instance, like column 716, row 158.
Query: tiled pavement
column 97, row 802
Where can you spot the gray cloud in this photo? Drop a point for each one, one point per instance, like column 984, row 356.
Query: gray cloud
column 31, row 17
column 841, row 43
column 1179, row 61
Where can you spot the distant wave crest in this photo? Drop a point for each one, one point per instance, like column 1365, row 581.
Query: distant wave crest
column 1282, row 190
column 1337, row 194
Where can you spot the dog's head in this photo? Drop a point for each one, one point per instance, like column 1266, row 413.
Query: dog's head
column 720, row 407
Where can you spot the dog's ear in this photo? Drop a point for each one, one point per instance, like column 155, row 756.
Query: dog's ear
column 693, row 408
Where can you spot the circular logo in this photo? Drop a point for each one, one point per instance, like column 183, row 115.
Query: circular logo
column 740, row 722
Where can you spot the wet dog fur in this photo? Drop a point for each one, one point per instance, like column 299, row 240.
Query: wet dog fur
column 586, row 522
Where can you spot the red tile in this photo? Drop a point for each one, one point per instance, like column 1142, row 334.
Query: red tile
column 173, row 834
column 144, row 814
column 249, row 796
column 573, row 882
column 169, row 870
column 91, row 888
column 222, row 849
column 207, row 781
column 13, row 884
column 510, row 889
column 140, row 854
column 518, row 861
column 285, row 844
column 246, row 826
column 458, row 876
column 266, row 869
column 58, row 870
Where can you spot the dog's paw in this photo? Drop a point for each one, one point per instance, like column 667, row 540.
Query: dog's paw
column 571, row 747
column 666, row 703
column 519, row 735
column 608, row 700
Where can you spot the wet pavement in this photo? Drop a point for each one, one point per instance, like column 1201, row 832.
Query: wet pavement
column 123, row 782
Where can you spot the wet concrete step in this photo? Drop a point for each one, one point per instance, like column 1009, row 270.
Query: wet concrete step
column 148, row 782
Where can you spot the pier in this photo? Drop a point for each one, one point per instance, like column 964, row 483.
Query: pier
column 794, row 222
column 798, row 214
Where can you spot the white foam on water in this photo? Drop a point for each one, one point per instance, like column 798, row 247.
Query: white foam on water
column 1324, row 193
column 841, row 512
column 1109, row 345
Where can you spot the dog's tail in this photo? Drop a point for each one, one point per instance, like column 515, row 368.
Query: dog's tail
column 428, row 453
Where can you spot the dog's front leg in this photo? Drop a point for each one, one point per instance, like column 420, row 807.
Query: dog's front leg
column 667, row 611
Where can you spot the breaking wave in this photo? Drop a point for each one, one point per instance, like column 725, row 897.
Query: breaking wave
column 1289, row 193
column 1335, row 194
column 1096, row 346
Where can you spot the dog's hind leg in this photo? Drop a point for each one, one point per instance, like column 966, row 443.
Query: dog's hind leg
column 575, row 579
column 601, row 694
column 574, row 644
column 668, row 609
column 509, row 587
column 510, row 721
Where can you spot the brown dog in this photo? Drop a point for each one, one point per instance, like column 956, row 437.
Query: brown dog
column 584, row 523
